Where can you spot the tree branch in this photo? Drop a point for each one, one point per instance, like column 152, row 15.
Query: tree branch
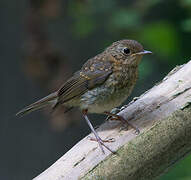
column 163, row 114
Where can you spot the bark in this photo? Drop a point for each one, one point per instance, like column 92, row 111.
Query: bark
column 163, row 115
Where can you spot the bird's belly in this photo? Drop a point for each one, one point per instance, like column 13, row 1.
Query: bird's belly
column 102, row 99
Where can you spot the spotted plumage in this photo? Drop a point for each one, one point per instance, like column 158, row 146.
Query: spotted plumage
column 102, row 83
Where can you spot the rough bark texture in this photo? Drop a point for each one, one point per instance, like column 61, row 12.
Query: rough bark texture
column 148, row 155
column 163, row 114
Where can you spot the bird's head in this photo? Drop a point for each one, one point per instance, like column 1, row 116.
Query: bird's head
column 130, row 51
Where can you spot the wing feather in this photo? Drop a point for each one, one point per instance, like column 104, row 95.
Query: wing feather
column 84, row 80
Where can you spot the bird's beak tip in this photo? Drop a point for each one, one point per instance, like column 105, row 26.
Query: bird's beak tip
column 146, row 52
column 143, row 52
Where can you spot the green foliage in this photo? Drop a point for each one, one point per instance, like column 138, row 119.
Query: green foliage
column 179, row 172
column 124, row 18
column 83, row 24
column 163, row 39
column 145, row 69
column 186, row 25
column 186, row 3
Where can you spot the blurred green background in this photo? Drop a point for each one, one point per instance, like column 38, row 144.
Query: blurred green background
column 43, row 41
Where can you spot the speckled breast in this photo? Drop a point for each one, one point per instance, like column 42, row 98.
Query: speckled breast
column 111, row 94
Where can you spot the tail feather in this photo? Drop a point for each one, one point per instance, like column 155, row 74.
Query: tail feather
column 48, row 100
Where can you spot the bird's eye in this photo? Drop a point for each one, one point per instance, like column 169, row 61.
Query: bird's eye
column 126, row 50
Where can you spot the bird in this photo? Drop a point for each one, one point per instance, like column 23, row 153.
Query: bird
column 103, row 83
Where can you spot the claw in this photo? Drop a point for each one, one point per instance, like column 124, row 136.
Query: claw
column 97, row 138
column 110, row 140
column 113, row 111
column 100, row 141
column 124, row 121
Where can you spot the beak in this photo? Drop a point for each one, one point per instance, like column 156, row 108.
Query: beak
column 144, row 52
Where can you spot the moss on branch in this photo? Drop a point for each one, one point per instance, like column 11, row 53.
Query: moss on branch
column 150, row 153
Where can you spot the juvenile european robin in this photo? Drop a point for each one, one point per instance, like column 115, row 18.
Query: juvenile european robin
column 103, row 83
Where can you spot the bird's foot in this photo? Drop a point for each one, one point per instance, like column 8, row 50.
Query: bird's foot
column 122, row 120
column 115, row 111
column 110, row 140
column 101, row 143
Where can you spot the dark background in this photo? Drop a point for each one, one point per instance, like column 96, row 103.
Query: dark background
column 43, row 41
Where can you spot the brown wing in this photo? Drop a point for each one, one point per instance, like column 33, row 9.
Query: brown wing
column 91, row 75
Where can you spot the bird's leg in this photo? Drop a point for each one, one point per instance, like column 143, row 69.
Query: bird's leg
column 97, row 138
column 122, row 119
